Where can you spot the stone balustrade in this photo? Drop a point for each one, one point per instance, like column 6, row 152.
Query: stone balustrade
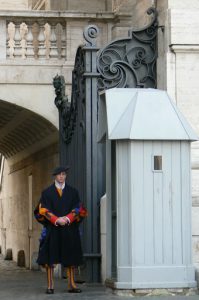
column 37, row 39
column 39, row 35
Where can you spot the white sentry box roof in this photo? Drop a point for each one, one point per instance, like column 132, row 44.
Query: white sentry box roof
column 141, row 114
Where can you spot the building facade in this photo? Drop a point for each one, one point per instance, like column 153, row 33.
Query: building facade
column 38, row 40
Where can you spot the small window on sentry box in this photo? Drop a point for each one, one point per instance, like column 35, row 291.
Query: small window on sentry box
column 157, row 163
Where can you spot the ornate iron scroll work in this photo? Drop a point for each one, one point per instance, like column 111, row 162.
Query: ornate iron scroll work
column 90, row 34
column 130, row 62
column 68, row 110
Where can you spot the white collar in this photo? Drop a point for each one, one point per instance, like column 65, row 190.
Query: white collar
column 59, row 186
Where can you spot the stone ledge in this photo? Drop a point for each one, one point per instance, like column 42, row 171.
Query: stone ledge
column 110, row 285
column 156, row 292
column 4, row 14
column 176, row 48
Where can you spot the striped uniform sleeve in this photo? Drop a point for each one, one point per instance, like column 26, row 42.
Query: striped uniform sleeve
column 44, row 210
column 47, row 214
column 77, row 214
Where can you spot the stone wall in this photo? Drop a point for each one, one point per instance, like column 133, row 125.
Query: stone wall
column 22, row 186
column 45, row 63
column 17, row 4
column 178, row 70
column 26, row 81
column 137, row 9
column 86, row 5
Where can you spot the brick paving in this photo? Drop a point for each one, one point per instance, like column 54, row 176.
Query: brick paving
column 21, row 284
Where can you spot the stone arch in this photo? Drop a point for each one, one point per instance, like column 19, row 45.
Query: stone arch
column 32, row 96
column 29, row 143
column 23, row 132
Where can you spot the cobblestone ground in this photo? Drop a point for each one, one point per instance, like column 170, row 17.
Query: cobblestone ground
column 21, row 284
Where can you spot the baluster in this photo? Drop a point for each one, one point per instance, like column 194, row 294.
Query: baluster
column 23, row 35
column 17, row 38
column 35, row 33
column 41, row 39
column 63, row 42
column 58, row 32
column 29, row 38
column 7, row 45
column 47, row 32
column 53, row 40
column 10, row 38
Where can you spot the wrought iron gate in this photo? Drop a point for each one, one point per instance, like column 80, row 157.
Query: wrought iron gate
column 129, row 62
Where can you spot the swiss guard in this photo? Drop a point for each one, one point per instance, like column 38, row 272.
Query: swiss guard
column 60, row 211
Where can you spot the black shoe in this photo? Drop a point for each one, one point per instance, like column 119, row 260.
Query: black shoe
column 74, row 290
column 49, row 291
column 80, row 281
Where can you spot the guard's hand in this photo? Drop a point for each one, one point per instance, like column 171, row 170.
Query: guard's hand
column 67, row 220
column 61, row 221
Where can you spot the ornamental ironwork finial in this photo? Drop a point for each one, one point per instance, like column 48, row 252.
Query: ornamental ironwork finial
column 59, row 85
column 90, row 34
column 68, row 110
column 65, row 108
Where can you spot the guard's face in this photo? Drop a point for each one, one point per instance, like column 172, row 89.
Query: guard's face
column 61, row 177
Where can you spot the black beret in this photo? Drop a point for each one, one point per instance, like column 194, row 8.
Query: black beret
column 59, row 170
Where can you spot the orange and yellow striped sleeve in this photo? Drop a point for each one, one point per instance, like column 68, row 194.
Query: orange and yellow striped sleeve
column 47, row 214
